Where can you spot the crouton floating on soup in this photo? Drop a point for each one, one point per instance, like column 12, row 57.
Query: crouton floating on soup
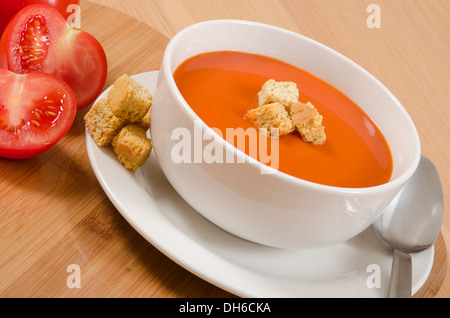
column 285, row 93
column 308, row 122
column 272, row 119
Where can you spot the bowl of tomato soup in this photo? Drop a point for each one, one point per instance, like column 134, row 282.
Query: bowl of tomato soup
column 278, row 191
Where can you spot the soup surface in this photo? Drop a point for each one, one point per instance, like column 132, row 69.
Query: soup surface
column 222, row 86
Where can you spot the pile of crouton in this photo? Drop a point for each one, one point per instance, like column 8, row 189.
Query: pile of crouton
column 122, row 121
column 280, row 113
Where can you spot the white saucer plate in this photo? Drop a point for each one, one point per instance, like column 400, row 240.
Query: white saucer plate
column 358, row 268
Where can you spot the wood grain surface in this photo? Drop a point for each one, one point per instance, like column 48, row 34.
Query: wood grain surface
column 53, row 211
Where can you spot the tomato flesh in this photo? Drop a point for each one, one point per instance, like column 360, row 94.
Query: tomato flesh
column 36, row 111
column 34, row 44
column 40, row 114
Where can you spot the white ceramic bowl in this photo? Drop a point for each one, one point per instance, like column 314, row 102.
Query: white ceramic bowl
column 277, row 209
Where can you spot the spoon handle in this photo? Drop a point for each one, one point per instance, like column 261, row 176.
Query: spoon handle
column 400, row 285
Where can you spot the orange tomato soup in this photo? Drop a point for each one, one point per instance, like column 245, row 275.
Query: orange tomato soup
column 222, row 86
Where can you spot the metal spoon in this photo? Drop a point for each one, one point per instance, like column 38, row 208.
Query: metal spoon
column 411, row 224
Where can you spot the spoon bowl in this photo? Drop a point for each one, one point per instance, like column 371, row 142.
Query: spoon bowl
column 411, row 223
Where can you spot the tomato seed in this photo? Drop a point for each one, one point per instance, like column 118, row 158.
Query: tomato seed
column 34, row 44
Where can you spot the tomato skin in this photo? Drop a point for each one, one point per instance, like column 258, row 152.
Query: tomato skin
column 36, row 111
column 73, row 55
column 11, row 7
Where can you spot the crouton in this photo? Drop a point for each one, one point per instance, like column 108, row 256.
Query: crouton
column 132, row 147
column 285, row 93
column 102, row 124
column 272, row 119
column 308, row 123
column 146, row 120
column 129, row 99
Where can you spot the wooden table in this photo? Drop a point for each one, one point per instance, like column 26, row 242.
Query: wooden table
column 54, row 213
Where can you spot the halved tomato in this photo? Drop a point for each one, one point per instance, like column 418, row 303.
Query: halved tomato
column 38, row 39
column 36, row 111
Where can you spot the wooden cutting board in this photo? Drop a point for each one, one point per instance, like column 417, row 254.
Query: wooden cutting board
column 53, row 212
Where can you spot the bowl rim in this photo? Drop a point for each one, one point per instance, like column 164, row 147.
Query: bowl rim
column 388, row 186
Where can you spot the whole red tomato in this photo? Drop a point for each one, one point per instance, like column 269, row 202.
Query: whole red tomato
column 8, row 8
column 38, row 39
